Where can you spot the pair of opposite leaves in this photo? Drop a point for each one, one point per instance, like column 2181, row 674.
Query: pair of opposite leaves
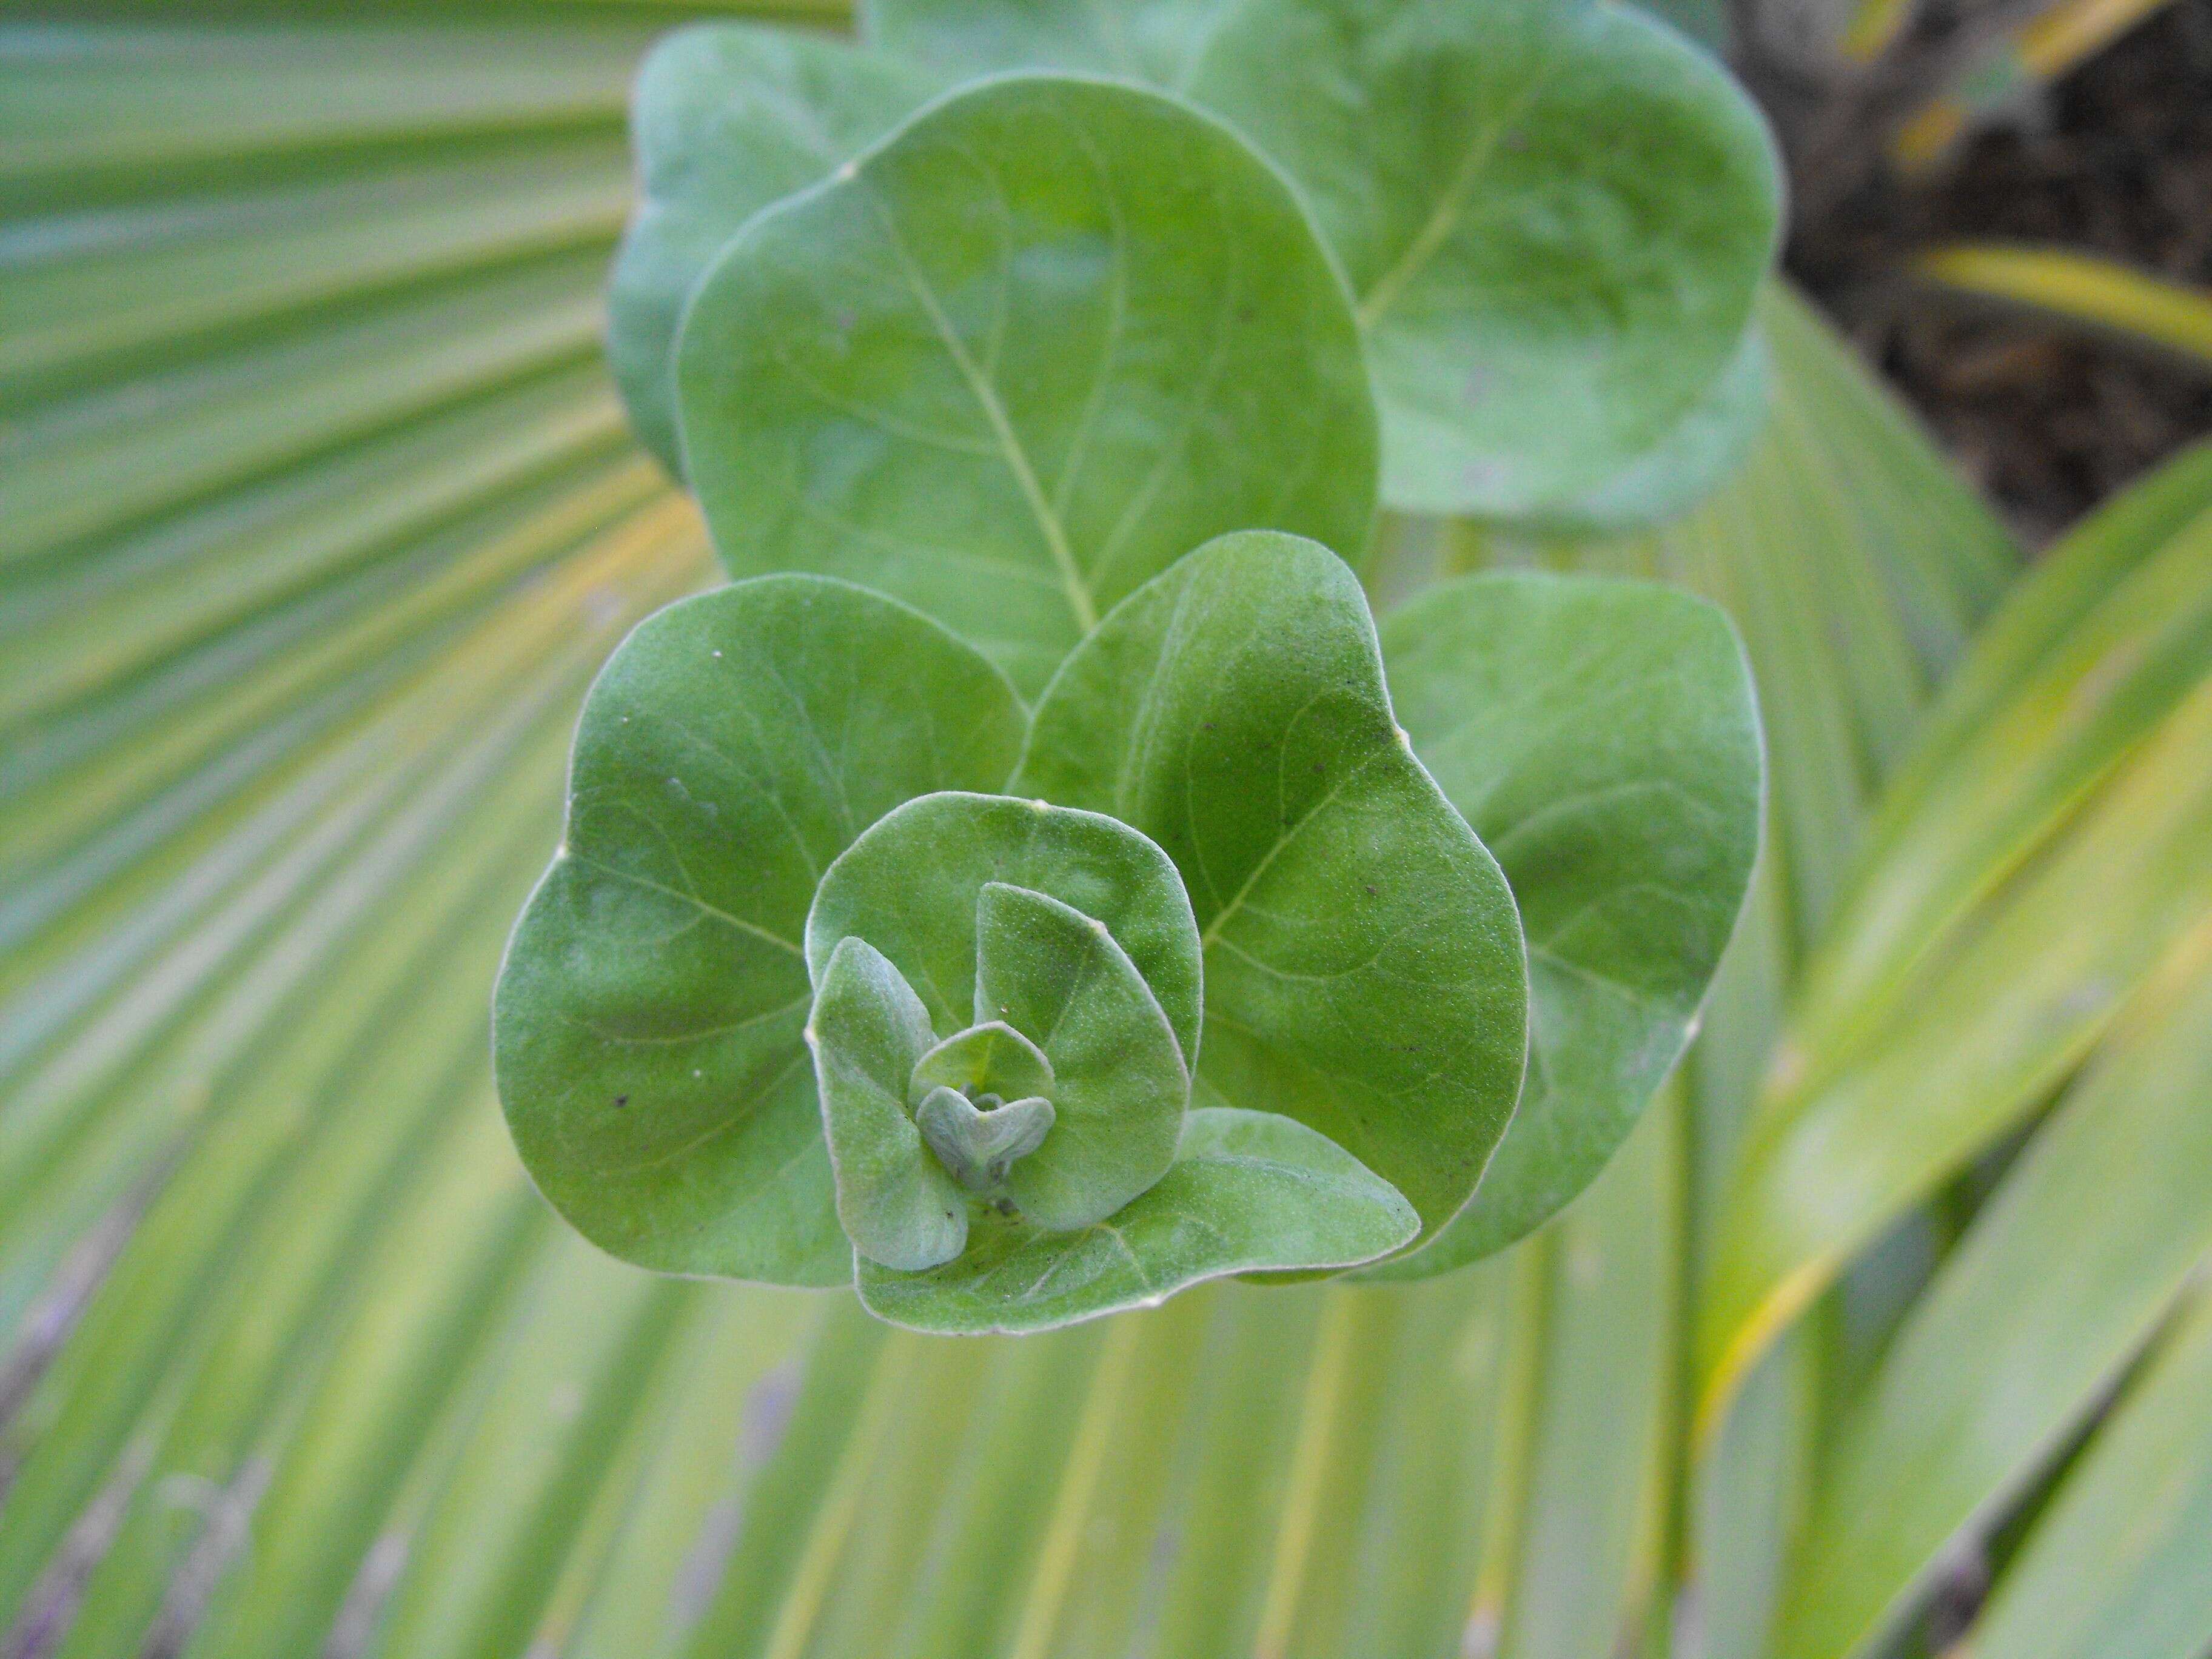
column 1550, row 217
column 793, row 775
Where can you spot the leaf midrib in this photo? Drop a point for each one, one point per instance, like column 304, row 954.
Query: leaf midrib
column 1077, row 593
column 1291, row 833
column 1444, row 218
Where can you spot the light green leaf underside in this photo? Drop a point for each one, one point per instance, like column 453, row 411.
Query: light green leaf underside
column 1601, row 738
column 1119, row 1088
column 1154, row 40
column 727, row 118
column 1248, row 1190
column 895, row 1201
column 909, row 886
column 1364, row 962
column 649, row 1013
column 1555, row 217
column 1039, row 344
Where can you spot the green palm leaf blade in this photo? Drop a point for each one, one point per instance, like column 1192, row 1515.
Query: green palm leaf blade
column 2113, row 1566
column 2043, row 1303
column 1970, row 1024
column 2110, row 634
column 227, row 793
column 488, row 1547
column 215, row 1400
column 1582, row 1487
column 1856, row 566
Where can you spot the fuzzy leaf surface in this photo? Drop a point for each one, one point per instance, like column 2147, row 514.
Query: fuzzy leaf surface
column 910, row 886
column 979, row 1147
column 989, row 1058
column 897, row 1202
column 1247, row 1191
column 1119, row 1087
column 647, row 1029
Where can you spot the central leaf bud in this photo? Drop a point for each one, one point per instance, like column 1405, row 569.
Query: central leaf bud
column 959, row 1093
column 978, row 1141
column 1055, row 1090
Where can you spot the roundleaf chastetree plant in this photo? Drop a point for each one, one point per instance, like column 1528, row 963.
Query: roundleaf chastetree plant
column 1035, row 885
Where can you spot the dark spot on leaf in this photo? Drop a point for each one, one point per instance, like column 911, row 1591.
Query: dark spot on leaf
column 1370, row 887
column 621, row 1100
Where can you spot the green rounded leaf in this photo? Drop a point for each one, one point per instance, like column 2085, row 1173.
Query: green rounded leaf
column 1248, row 1192
column 1602, row 737
column 1153, row 40
column 1363, row 964
column 992, row 1058
column 898, row 1204
column 1119, row 1087
column 1696, row 457
column 1555, row 216
column 649, row 1015
column 727, row 118
column 911, row 887
column 1019, row 358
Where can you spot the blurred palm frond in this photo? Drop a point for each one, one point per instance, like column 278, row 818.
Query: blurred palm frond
column 320, row 515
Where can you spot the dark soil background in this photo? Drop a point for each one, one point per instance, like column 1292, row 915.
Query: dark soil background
column 2116, row 160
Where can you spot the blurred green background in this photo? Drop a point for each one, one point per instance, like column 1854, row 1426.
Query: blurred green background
column 1886, row 1333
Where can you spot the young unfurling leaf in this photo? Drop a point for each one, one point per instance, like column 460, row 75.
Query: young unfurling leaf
column 988, row 1058
column 1247, row 1191
column 899, row 1205
column 977, row 1144
column 1098, row 1192
column 1067, row 929
column 912, row 884
column 1119, row 1087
